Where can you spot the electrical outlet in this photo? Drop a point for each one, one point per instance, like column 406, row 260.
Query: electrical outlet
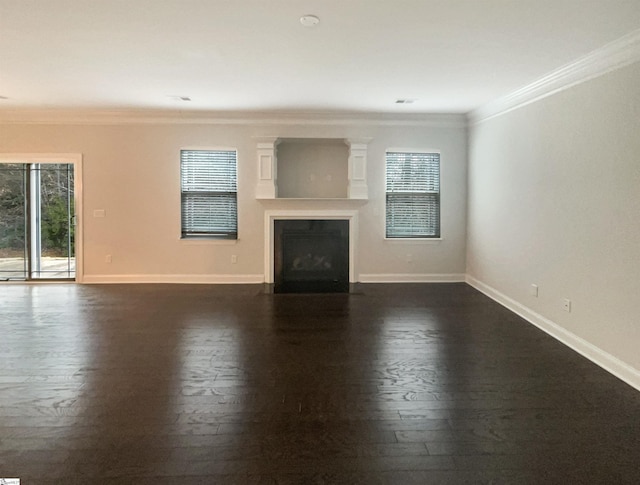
column 566, row 305
column 409, row 258
column 107, row 258
column 533, row 290
column 234, row 258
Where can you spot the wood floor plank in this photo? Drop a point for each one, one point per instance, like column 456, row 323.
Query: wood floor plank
column 392, row 384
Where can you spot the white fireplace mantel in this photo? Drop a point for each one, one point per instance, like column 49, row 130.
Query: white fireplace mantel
column 267, row 168
column 271, row 215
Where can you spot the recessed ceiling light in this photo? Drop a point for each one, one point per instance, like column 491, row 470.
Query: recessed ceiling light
column 309, row 20
column 178, row 98
column 406, row 101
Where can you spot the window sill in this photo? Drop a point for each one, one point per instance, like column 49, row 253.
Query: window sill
column 204, row 241
column 431, row 240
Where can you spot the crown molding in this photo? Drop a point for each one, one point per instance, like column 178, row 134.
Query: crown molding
column 615, row 55
column 129, row 116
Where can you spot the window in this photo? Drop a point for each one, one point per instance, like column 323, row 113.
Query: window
column 413, row 195
column 208, row 182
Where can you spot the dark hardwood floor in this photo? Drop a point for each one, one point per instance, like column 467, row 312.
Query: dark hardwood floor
column 393, row 384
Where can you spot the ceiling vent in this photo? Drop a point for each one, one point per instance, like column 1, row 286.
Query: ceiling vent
column 405, row 101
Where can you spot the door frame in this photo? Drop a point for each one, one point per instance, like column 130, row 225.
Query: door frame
column 76, row 160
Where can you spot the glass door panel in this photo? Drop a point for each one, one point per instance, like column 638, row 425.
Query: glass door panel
column 14, row 262
column 52, row 215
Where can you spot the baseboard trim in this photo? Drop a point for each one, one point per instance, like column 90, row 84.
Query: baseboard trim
column 258, row 278
column 412, row 278
column 223, row 279
column 608, row 362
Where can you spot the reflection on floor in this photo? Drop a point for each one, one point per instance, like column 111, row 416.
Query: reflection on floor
column 397, row 384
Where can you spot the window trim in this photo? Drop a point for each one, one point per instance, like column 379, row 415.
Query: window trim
column 414, row 239
column 207, row 238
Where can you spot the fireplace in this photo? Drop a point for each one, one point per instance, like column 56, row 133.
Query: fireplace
column 311, row 255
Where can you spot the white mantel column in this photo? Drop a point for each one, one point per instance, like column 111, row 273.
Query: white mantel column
column 357, row 186
column 267, row 187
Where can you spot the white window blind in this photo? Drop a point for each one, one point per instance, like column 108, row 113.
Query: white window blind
column 208, row 180
column 413, row 195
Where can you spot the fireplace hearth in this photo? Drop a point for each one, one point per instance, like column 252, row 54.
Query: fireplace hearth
column 311, row 256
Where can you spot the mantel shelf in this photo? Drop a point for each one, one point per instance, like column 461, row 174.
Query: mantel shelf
column 309, row 199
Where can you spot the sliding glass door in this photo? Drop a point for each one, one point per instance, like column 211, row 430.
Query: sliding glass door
column 37, row 223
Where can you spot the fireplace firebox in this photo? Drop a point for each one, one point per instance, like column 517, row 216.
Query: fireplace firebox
column 311, row 256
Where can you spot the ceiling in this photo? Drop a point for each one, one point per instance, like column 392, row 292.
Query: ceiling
column 451, row 56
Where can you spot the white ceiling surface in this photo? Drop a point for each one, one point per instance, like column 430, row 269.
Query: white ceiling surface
column 254, row 55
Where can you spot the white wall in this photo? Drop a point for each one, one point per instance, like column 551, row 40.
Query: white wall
column 132, row 172
column 554, row 200
column 313, row 169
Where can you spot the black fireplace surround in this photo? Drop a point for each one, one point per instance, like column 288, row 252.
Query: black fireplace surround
column 311, row 256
